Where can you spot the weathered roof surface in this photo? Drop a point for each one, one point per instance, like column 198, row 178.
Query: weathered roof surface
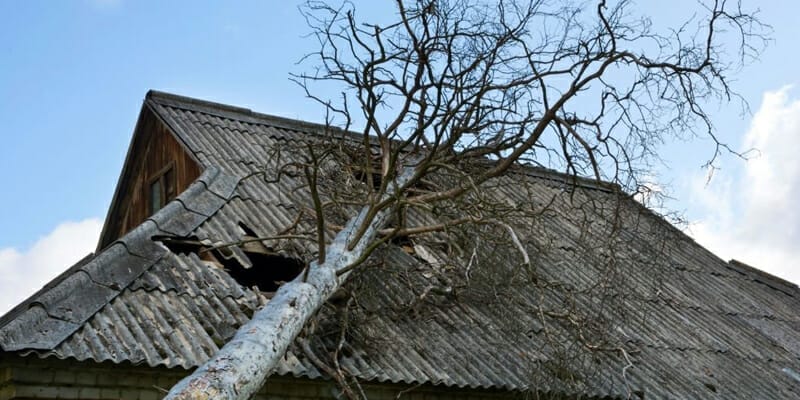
column 75, row 297
column 684, row 323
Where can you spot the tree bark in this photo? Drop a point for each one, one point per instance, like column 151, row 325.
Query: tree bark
column 241, row 367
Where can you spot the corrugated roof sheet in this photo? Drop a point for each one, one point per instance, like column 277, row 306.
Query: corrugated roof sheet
column 684, row 323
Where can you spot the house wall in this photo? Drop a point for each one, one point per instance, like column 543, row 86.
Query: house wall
column 152, row 149
column 34, row 378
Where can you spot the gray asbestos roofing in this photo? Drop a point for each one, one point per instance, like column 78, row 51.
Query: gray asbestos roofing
column 708, row 329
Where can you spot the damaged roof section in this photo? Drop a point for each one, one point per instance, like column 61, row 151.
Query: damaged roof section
column 65, row 304
column 168, row 292
column 159, row 295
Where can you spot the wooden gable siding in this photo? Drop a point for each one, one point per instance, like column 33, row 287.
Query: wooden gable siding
column 153, row 149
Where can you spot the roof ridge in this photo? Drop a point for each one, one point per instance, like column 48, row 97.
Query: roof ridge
column 241, row 113
column 250, row 116
column 772, row 281
column 176, row 98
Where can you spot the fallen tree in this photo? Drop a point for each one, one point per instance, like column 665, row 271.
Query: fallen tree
column 473, row 89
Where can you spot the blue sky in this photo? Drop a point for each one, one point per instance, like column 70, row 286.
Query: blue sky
column 73, row 75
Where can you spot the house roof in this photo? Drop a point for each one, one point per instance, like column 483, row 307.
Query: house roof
column 684, row 323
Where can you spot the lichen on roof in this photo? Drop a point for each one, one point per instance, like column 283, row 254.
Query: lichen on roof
column 612, row 302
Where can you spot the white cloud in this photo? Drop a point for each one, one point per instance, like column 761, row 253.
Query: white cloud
column 756, row 217
column 24, row 272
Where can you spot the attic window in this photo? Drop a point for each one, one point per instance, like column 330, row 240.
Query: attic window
column 161, row 188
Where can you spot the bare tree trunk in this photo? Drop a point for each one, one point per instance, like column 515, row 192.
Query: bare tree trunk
column 241, row 367
column 478, row 84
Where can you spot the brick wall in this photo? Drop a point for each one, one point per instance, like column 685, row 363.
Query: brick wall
column 34, row 378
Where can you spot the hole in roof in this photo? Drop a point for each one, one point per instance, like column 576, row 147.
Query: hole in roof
column 710, row 387
column 250, row 264
column 361, row 172
column 372, row 178
column 268, row 273
column 246, row 229
column 404, row 242
column 180, row 245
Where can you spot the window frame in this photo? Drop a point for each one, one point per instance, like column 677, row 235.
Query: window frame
column 160, row 177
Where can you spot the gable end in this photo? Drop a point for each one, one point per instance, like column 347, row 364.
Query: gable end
column 157, row 168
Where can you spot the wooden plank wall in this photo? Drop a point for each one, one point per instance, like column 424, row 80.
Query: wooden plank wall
column 153, row 149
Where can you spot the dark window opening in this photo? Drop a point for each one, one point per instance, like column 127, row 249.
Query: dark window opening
column 267, row 270
column 162, row 189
